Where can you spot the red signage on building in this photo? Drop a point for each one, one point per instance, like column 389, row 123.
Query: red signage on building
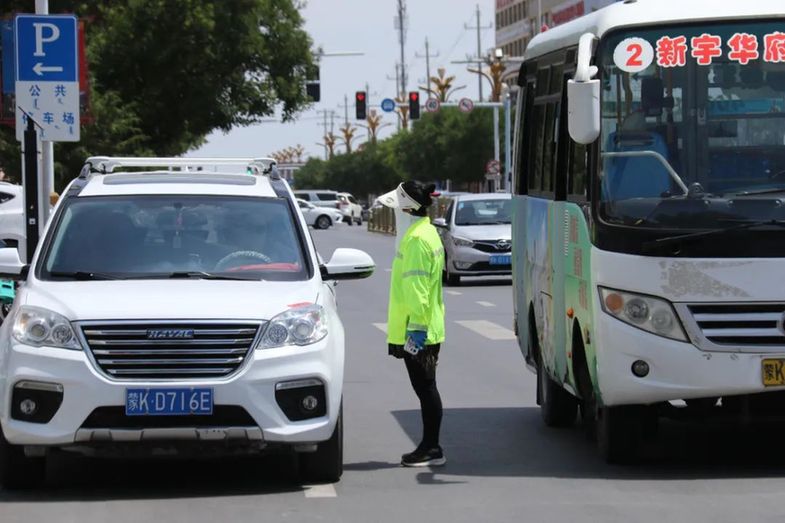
column 570, row 12
column 501, row 4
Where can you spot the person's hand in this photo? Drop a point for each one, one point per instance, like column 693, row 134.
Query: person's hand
column 417, row 338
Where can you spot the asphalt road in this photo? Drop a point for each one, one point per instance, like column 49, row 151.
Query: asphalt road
column 503, row 463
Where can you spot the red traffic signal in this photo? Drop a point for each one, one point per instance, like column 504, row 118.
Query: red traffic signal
column 360, row 105
column 414, row 105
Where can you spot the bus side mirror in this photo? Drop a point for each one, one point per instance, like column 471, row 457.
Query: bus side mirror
column 583, row 96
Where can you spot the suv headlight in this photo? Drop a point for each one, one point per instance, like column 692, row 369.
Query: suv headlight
column 462, row 242
column 298, row 326
column 653, row 315
column 41, row 327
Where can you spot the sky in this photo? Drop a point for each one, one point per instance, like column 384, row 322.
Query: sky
column 367, row 26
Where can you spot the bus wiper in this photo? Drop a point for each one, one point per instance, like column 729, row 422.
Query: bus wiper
column 86, row 275
column 762, row 191
column 203, row 276
column 652, row 245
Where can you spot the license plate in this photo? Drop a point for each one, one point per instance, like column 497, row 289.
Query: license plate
column 501, row 260
column 168, row 402
column 773, row 373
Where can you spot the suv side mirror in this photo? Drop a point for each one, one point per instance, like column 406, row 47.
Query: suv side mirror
column 348, row 264
column 440, row 222
column 583, row 96
column 11, row 267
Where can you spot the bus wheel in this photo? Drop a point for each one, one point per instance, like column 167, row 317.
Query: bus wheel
column 557, row 406
column 619, row 433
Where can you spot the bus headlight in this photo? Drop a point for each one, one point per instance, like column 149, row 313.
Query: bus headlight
column 651, row 314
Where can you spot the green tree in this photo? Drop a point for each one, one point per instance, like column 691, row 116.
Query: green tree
column 165, row 73
column 448, row 145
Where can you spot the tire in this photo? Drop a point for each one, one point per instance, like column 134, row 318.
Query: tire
column 360, row 220
column 323, row 222
column 17, row 471
column 349, row 220
column 557, row 406
column 452, row 280
column 326, row 464
column 619, row 433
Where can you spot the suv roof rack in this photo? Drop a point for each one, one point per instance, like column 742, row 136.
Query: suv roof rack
column 107, row 164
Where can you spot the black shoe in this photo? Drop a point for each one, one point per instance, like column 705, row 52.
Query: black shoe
column 424, row 458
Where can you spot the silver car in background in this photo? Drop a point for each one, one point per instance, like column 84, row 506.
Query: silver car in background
column 477, row 235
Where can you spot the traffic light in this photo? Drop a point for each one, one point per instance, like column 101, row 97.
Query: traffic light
column 312, row 84
column 414, row 105
column 360, row 100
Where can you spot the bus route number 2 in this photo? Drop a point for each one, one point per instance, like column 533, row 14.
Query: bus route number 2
column 633, row 55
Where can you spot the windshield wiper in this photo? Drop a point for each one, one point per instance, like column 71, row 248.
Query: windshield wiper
column 204, row 276
column 762, row 191
column 649, row 246
column 86, row 275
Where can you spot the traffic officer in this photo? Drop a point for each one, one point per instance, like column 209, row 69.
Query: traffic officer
column 415, row 324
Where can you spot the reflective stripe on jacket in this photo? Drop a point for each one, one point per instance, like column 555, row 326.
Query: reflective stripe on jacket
column 416, row 285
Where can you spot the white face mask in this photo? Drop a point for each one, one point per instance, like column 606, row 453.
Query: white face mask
column 403, row 220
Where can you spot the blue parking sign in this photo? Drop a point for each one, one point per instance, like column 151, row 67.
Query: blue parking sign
column 46, row 48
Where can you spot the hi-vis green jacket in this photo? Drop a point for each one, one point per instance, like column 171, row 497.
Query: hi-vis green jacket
column 416, row 286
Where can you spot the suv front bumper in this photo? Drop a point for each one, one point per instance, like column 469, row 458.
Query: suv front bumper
column 252, row 388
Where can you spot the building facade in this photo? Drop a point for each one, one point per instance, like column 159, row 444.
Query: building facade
column 518, row 21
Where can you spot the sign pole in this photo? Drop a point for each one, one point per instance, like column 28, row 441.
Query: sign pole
column 47, row 174
column 31, row 178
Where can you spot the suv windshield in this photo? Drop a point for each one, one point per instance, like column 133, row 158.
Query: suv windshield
column 175, row 236
column 484, row 212
column 693, row 124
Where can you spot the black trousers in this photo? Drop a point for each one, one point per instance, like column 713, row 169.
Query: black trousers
column 424, row 384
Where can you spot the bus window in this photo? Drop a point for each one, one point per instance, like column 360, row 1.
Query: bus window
column 524, row 130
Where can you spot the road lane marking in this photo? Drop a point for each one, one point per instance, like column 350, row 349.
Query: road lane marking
column 488, row 329
column 486, row 304
column 453, row 293
column 320, row 491
column 387, row 270
column 381, row 326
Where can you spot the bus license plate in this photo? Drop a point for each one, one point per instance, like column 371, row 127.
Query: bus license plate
column 168, row 402
column 501, row 260
column 774, row 373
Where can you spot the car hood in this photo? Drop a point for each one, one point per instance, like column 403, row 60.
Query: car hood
column 484, row 232
column 169, row 300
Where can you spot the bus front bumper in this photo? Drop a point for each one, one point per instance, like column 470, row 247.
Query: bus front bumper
column 678, row 370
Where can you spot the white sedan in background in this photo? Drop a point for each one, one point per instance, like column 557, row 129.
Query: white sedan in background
column 319, row 217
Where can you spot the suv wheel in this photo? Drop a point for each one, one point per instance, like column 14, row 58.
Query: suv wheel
column 326, row 464
column 360, row 220
column 17, row 471
column 323, row 222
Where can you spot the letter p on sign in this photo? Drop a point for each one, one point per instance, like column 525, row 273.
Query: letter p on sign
column 41, row 39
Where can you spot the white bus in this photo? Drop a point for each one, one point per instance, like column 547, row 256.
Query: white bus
column 649, row 230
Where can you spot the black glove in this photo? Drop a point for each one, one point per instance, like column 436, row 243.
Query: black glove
column 396, row 351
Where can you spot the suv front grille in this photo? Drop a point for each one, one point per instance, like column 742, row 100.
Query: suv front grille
column 169, row 350
column 751, row 325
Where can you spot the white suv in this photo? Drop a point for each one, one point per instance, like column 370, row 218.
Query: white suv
column 174, row 310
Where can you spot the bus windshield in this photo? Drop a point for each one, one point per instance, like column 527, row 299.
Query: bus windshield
column 693, row 122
